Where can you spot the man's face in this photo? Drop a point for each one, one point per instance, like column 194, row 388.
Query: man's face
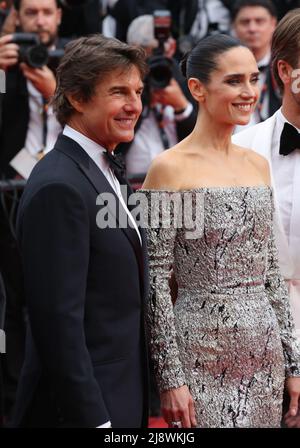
column 110, row 116
column 41, row 17
column 254, row 26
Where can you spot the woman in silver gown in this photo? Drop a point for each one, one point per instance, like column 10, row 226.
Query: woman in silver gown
column 224, row 351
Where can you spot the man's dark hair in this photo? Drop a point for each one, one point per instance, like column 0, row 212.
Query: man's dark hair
column 286, row 43
column 240, row 4
column 86, row 62
column 17, row 4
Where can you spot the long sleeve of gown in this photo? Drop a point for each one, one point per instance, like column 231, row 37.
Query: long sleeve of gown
column 279, row 298
column 160, row 316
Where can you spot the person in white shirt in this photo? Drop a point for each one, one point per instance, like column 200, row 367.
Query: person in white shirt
column 278, row 139
column 86, row 278
column 253, row 23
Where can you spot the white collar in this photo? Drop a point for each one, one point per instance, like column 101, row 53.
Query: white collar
column 281, row 120
column 93, row 149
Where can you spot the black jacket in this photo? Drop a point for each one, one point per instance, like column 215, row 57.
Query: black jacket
column 86, row 287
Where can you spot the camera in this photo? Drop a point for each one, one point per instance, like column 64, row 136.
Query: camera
column 34, row 53
column 160, row 67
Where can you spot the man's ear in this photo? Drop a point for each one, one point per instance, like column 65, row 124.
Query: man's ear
column 197, row 89
column 77, row 104
column 285, row 71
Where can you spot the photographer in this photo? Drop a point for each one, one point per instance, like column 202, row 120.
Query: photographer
column 168, row 115
column 28, row 89
column 27, row 124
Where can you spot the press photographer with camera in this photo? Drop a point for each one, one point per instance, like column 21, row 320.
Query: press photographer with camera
column 27, row 127
column 168, row 112
column 30, row 83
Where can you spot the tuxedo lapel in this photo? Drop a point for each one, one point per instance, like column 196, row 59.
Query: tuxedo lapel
column 262, row 144
column 95, row 176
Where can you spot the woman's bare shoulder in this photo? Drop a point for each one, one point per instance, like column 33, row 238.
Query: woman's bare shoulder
column 259, row 161
column 164, row 172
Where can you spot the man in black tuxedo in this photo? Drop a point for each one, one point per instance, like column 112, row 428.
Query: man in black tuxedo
column 86, row 284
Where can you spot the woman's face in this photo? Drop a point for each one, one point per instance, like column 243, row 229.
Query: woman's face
column 232, row 92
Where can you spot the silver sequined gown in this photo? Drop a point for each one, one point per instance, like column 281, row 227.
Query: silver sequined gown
column 230, row 335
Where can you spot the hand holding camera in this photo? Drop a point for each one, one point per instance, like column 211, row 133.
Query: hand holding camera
column 171, row 95
column 9, row 52
column 32, row 56
column 42, row 78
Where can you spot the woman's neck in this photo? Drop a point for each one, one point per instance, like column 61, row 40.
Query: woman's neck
column 211, row 135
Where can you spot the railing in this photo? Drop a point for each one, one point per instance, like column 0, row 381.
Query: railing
column 135, row 180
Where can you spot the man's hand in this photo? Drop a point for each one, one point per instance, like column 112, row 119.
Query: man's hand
column 42, row 78
column 171, row 95
column 178, row 405
column 9, row 52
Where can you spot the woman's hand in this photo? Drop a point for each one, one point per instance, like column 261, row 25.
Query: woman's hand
column 178, row 406
column 292, row 417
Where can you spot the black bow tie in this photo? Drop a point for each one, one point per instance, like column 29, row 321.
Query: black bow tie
column 116, row 163
column 289, row 140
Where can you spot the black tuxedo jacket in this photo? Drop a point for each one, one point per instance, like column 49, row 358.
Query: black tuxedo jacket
column 86, row 355
column 14, row 119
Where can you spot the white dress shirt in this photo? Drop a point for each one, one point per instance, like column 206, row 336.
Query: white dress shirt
column 285, row 171
column 96, row 153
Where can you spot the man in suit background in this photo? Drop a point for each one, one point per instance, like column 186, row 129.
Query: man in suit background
column 86, row 356
column 272, row 140
column 278, row 139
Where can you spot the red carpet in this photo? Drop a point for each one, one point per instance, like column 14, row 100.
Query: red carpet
column 157, row 422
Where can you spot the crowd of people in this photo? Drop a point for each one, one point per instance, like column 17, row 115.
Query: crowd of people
column 206, row 119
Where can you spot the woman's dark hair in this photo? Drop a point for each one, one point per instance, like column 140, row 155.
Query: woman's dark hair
column 201, row 61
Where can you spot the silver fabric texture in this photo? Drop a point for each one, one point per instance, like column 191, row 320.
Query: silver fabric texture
column 230, row 335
